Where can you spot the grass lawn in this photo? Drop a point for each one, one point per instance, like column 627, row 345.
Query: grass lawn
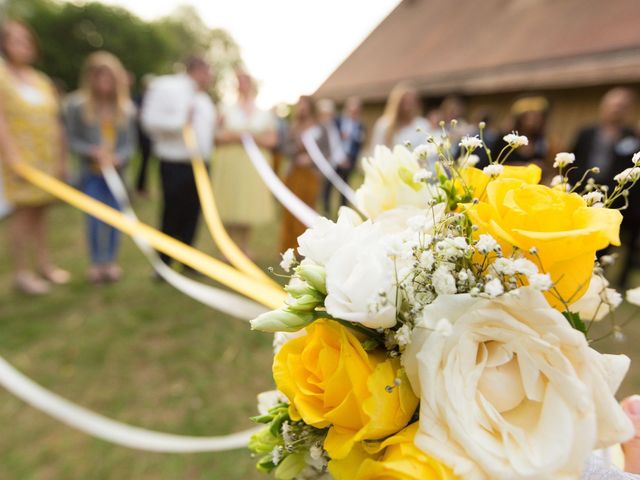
column 142, row 353
column 139, row 352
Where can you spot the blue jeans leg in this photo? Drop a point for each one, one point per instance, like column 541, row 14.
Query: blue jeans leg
column 103, row 240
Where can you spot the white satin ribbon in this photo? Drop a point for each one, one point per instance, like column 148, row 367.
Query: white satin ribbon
column 216, row 298
column 325, row 167
column 104, row 428
column 286, row 197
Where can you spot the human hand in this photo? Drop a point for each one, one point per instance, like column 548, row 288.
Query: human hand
column 631, row 406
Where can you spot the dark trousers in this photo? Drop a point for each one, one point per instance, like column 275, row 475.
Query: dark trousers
column 144, row 145
column 344, row 173
column 181, row 206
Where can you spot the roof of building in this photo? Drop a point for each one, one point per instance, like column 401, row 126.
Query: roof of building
column 486, row 46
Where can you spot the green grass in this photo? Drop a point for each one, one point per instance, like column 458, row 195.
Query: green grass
column 142, row 353
column 137, row 351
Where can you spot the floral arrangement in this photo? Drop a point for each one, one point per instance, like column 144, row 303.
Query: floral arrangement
column 443, row 331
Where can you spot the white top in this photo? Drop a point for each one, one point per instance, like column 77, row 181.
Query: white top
column 338, row 157
column 170, row 103
column 237, row 119
column 408, row 133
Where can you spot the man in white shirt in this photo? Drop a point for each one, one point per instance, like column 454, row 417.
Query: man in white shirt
column 172, row 102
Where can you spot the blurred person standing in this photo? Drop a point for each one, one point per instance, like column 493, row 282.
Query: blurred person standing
column 609, row 145
column 244, row 201
column 101, row 132
column 144, row 141
column 454, row 110
column 172, row 103
column 337, row 156
column 401, row 121
column 30, row 133
column 302, row 177
column 352, row 132
column 529, row 118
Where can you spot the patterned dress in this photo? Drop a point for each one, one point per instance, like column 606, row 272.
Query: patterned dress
column 31, row 112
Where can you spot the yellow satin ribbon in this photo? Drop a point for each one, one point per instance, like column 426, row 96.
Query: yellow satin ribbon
column 268, row 295
column 229, row 249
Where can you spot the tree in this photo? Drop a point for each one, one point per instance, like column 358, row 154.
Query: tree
column 69, row 32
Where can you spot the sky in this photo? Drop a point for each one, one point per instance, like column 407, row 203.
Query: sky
column 289, row 46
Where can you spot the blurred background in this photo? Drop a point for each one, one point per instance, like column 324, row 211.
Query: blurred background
column 112, row 337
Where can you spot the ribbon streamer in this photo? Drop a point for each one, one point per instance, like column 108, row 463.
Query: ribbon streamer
column 215, row 298
column 265, row 294
column 325, row 167
column 110, row 430
column 286, row 197
column 229, row 249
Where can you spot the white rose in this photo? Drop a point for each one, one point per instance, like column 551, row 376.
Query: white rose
column 389, row 182
column 512, row 392
column 598, row 301
column 360, row 280
column 324, row 237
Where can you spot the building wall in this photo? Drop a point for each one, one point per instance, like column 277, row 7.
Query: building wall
column 571, row 109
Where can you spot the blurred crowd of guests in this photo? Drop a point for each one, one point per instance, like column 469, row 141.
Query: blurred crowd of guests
column 103, row 126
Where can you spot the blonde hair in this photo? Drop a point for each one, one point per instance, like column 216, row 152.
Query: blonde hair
column 104, row 60
column 392, row 109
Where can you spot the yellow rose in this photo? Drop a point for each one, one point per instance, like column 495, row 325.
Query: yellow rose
column 395, row 458
column 564, row 230
column 332, row 382
column 477, row 180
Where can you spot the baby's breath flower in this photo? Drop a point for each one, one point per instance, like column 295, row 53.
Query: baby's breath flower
column 443, row 281
column 422, row 175
column 563, row 159
column 486, row 243
column 514, row 140
column 493, row 170
column 593, row 198
column 628, row 175
column 471, row 143
column 541, row 281
column 288, row 260
column 633, row 296
column 403, row 336
column 493, row 288
column 421, row 152
column 557, row 180
column 636, row 159
column 471, row 161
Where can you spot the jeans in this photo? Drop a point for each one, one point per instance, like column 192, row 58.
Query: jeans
column 103, row 239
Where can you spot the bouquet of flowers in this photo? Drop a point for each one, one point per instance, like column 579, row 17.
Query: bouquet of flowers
column 442, row 332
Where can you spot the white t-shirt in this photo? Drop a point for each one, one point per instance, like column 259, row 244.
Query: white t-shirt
column 171, row 101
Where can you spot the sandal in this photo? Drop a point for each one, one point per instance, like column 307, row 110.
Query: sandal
column 112, row 273
column 95, row 275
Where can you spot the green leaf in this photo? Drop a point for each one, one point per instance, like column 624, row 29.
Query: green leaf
column 290, row 466
column 575, row 321
column 263, row 441
column 277, row 423
column 265, row 464
column 261, row 418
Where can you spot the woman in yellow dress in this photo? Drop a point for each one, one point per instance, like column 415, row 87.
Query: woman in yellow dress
column 243, row 199
column 30, row 133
